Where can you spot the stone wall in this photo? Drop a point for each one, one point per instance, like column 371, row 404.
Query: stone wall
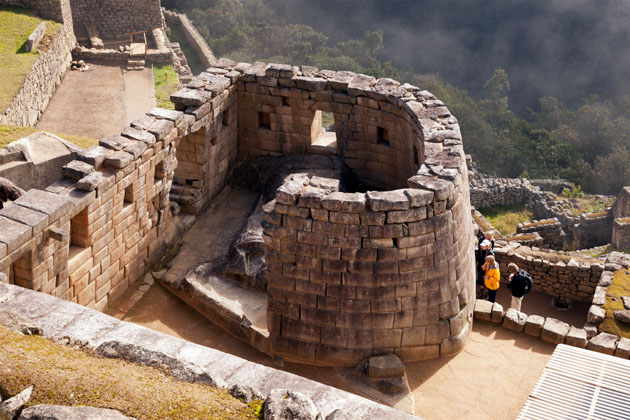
column 194, row 38
column 621, row 233
column 570, row 279
column 42, row 81
column 621, row 208
column 114, row 19
column 593, row 229
column 488, row 192
column 549, row 230
column 48, row 9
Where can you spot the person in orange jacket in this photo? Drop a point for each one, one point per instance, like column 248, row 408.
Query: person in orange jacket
column 492, row 277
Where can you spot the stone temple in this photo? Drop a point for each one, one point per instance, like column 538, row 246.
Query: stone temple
column 362, row 241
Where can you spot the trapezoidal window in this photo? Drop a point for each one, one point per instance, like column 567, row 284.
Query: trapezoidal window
column 264, row 121
column 382, row 136
column 225, row 118
column 323, row 131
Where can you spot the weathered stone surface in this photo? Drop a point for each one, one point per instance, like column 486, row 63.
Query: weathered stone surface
column 137, row 354
column 161, row 128
column 576, row 337
column 76, row 170
column 13, row 233
column 514, row 320
column 591, row 330
column 310, row 83
column 554, row 331
column 136, row 149
column 419, row 198
column 623, row 348
column 287, row 405
column 119, row 160
column 94, row 155
column 623, row 316
column 497, row 313
column 387, row 200
column 116, row 142
column 341, row 80
column 341, row 415
column 35, row 37
column 58, row 234
column 15, row 322
column 599, row 297
column 245, row 393
column 626, row 301
column 386, row 366
column 11, row 407
column 603, row 343
column 90, row 182
column 167, row 114
column 190, row 97
column 596, row 314
column 483, row 310
column 9, row 191
column 54, row 205
column 57, row 412
column 534, row 325
column 35, row 219
column 360, row 85
column 140, row 135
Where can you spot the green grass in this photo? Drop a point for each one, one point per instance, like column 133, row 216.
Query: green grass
column 328, row 119
column 165, row 83
column 176, row 34
column 505, row 218
column 9, row 133
column 16, row 24
column 620, row 287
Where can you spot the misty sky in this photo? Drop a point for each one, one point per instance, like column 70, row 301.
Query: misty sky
column 563, row 48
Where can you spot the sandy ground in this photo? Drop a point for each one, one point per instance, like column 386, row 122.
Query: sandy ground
column 99, row 102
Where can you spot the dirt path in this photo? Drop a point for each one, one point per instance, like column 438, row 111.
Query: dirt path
column 99, row 102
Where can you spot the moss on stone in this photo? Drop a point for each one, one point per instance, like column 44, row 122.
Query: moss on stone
column 620, row 287
column 505, row 218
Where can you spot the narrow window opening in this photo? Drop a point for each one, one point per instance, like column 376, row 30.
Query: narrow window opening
column 323, row 131
column 416, row 161
column 160, row 173
column 129, row 195
column 382, row 136
column 264, row 121
column 225, row 118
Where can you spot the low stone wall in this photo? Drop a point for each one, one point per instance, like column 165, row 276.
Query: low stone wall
column 555, row 186
column 48, row 9
column 593, row 229
column 621, row 208
column 488, row 192
column 573, row 280
column 621, row 233
column 41, row 82
column 194, row 38
column 549, row 230
column 527, row 239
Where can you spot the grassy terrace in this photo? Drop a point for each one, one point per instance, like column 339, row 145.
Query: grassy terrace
column 176, row 34
column 16, row 24
column 66, row 376
column 165, row 83
column 9, row 133
column 505, row 218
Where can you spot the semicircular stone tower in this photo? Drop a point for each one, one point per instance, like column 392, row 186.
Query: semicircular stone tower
column 353, row 274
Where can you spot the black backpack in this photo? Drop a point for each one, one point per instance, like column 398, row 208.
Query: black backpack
column 528, row 280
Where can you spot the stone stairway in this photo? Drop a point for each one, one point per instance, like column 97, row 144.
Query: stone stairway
column 134, row 64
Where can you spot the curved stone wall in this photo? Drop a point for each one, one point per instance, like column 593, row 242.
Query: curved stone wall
column 356, row 274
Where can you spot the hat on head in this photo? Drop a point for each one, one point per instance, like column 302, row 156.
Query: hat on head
column 485, row 243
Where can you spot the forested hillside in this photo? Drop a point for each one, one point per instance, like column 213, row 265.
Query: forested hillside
column 540, row 87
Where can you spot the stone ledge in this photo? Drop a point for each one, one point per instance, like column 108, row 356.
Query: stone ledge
column 70, row 323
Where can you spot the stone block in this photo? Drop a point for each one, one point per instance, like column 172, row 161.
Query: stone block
column 576, row 337
column 596, row 314
column 554, row 331
column 94, row 155
column 139, row 135
column 54, row 205
column 534, row 325
column 483, row 310
column 514, row 320
column 90, row 182
column 442, row 189
column 591, row 330
column 386, row 366
column 161, row 129
column 452, row 346
column 13, row 233
column 603, row 343
column 190, row 97
column 360, row 84
column 497, row 313
column 38, row 221
column 387, row 200
column 76, row 169
column 35, row 38
column 136, row 149
column 118, row 160
column 623, row 348
column 167, row 114
column 58, row 234
column 115, row 143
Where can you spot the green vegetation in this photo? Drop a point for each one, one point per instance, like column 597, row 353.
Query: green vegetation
column 176, row 34
column 620, row 287
column 165, row 82
column 328, row 119
column 505, row 218
column 66, row 376
column 574, row 192
column 451, row 54
column 16, row 24
column 9, row 133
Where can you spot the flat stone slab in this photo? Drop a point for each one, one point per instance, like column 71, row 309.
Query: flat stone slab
column 514, row 320
column 577, row 337
column 534, row 325
column 623, row 316
column 623, row 348
column 13, row 233
column 387, row 366
column 483, row 310
column 58, row 412
column 497, row 313
column 626, row 301
column 603, row 343
column 63, row 320
column 554, row 331
column 38, row 221
column 54, row 205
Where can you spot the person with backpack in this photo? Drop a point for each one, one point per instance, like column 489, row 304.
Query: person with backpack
column 520, row 283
